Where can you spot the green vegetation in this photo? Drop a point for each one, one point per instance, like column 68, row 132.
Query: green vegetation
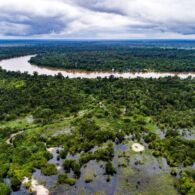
column 110, row 169
column 89, row 174
column 176, row 150
column 63, row 153
column 63, row 179
column 15, row 183
column 72, row 164
column 104, row 154
column 122, row 58
column 86, row 118
column 186, row 183
column 4, row 189
column 49, row 169
column 70, row 181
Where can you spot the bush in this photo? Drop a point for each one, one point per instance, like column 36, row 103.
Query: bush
column 76, row 168
column 104, row 135
column 62, row 178
column 86, row 146
column 3, row 170
column 49, row 169
column 67, row 165
column 120, row 136
column 74, row 165
column 110, row 169
column 86, row 158
column 70, row 181
column 186, row 184
column 174, row 172
column 63, row 153
column 43, row 115
column 4, row 189
column 15, row 183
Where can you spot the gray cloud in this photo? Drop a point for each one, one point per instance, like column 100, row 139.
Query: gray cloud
column 97, row 18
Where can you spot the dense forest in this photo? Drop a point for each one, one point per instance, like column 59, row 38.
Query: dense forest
column 105, row 56
column 100, row 113
column 122, row 58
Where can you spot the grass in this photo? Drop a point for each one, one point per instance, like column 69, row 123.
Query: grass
column 127, row 171
column 89, row 174
column 20, row 123
column 122, row 162
column 161, row 185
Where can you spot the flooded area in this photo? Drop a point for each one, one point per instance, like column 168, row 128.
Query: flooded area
column 136, row 172
column 22, row 64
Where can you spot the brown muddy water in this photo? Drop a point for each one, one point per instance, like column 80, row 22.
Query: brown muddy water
column 22, row 64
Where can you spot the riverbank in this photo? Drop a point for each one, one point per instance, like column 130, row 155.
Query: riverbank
column 22, row 64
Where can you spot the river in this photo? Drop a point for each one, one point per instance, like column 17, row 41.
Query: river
column 22, row 64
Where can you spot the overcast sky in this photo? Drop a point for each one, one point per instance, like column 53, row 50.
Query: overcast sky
column 102, row 19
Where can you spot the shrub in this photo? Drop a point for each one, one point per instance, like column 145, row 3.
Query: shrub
column 104, row 135
column 70, row 181
column 62, row 178
column 110, row 169
column 186, row 184
column 76, row 168
column 49, row 169
column 86, row 158
column 15, row 183
column 173, row 172
column 3, row 169
column 74, row 165
column 89, row 174
column 4, row 189
column 63, row 153
column 67, row 165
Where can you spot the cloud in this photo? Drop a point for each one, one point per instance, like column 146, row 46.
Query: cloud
column 97, row 18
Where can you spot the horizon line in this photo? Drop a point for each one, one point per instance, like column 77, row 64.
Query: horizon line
column 96, row 39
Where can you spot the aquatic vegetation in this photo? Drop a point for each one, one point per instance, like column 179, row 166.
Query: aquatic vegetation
column 74, row 165
column 122, row 162
column 109, row 168
column 62, row 178
column 70, row 181
column 63, row 153
column 89, row 174
column 49, row 169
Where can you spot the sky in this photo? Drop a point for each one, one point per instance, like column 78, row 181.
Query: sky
column 97, row 19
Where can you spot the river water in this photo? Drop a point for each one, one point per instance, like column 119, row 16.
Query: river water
column 22, row 64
